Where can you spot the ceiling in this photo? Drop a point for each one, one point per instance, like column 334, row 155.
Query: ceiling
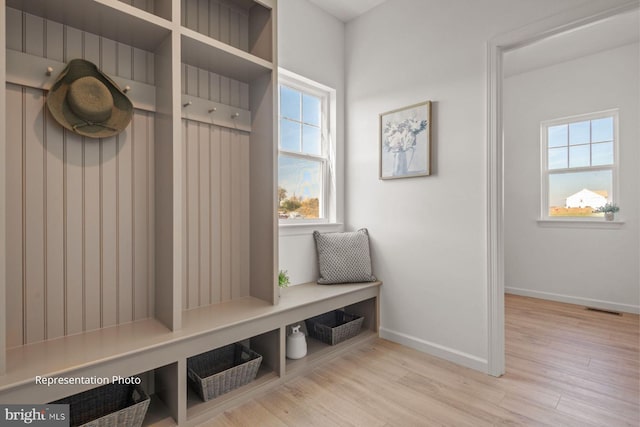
column 603, row 35
column 346, row 10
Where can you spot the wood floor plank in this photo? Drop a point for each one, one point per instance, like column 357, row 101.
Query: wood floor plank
column 566, row 366
column 593, row 414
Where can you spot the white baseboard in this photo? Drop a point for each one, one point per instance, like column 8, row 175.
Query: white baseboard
column 587, row 302
column 437, row 350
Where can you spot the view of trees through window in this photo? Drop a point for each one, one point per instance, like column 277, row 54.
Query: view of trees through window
column 302, row 155
column 292, row 206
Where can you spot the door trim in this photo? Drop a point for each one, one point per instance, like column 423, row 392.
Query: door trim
column 496, row 47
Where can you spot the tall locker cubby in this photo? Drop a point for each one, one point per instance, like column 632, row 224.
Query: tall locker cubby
column 110, row 245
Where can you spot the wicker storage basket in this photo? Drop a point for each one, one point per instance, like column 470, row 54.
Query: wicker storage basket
column 111, row 405
column 334, row 327
column 222, row 370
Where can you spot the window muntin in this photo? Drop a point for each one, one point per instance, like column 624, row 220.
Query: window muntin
column 579, row 164
column 303, row 160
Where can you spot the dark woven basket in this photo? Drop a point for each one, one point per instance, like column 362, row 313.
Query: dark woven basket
column 222, row 370
column 111, row 405
column 334, row 327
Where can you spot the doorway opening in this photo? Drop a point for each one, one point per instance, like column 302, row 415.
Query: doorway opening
column 541, row 32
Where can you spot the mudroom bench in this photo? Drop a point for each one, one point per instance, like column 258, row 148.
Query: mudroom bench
column 148, row 351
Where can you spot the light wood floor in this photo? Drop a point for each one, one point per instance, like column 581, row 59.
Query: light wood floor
column 566, row 366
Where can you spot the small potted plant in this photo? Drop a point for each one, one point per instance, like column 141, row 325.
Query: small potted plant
column 283, row 279
column 609, row 209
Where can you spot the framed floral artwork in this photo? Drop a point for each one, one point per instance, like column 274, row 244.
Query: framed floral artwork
column 405, row 142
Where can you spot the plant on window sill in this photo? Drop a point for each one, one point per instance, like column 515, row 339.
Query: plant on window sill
column 609, row 210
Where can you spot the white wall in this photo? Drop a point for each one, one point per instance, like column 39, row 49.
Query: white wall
column 429, row 234
column 311, row 44
column 595, row 267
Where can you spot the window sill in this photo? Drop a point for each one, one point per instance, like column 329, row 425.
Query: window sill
column 580, row 223
column 309, row 228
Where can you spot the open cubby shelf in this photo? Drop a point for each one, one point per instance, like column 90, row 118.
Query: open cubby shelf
column 196, row 407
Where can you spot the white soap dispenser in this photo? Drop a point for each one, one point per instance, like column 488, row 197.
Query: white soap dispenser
column 296, row 344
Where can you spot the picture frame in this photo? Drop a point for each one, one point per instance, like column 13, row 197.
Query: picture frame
column 405, row 142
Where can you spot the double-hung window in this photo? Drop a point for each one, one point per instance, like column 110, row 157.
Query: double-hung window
column 579, row 164
column 305, row 151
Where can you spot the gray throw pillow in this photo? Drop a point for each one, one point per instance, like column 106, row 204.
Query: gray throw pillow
column 343, row 257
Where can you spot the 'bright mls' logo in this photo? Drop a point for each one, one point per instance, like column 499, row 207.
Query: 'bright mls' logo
column 36, row 415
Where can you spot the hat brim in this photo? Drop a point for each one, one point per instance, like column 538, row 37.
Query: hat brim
column 121, row 112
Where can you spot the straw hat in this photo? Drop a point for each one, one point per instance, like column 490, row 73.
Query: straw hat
column 87, row 102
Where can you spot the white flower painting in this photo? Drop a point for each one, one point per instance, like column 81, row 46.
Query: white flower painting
column 405, row 140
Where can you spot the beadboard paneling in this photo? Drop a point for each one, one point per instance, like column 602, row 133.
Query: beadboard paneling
column 14, row 219
column 214, row 87
column 79, row 223
column 216, row 209
column 79, row 211
column 215, row 196
column 41, row 37
column 140, row 4
column 219, row 20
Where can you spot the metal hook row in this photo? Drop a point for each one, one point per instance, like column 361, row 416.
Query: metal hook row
column 211, row 110
column 49, row 72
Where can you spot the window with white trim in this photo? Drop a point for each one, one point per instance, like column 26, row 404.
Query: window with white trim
column 579, row 165
column 305, row 151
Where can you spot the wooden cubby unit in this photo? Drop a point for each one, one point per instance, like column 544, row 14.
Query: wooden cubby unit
column 128, row 255
column 129, row 349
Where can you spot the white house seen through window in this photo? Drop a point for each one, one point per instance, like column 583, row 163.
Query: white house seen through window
column 579, row 164
column 303, row 158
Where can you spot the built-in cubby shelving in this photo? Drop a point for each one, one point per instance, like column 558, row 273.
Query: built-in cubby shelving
column 111, row 19
column 128, row 255
column 140, row 346
column 245, row 25
column 212, row 55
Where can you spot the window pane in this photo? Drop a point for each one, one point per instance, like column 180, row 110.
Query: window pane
column 557, row 158
column 311, row 140
column 289, row 135
column 299, row 187
column 602, row 154
column 289, row 103
column 602, row 130
column 557, row 136
column 311, row 109
column 579, row 193
column 579, row 133
column 579, row 156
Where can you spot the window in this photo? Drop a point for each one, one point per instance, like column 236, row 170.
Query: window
column 579, row 164
column 305, row 152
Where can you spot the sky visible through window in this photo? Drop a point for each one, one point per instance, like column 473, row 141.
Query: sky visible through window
column 299, row 164
column 583, row 144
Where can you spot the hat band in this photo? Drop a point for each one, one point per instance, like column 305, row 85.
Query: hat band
column 88, row 123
